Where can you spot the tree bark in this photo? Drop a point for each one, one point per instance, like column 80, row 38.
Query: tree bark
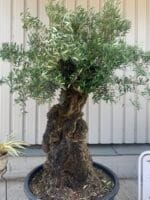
column 64, row 141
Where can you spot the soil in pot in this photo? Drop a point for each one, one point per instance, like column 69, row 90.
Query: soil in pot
column 94, row 188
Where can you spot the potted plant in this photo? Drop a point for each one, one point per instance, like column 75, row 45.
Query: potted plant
column 79, row 53
column 9, row 147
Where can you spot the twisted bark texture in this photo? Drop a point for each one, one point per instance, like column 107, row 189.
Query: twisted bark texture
column 64, row 141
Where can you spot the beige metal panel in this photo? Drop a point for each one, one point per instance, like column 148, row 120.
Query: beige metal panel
column 93, row 122
column 18, row 37
column 41, row 11
column 101, row 3
column 130, row 13
column 93, row 108
column 106, row 123
column 31, row 106
column 5, row 36
column 119, row 123
column 129, row 120
column 42, row 120
column 95, row 4
column 70, row 4
column 42, row 109
column 83, row 3
column 129, row 110
column 118, row 110
column 148, row 48
column 141, row 133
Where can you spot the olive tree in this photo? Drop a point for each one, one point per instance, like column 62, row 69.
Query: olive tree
column 80, row 52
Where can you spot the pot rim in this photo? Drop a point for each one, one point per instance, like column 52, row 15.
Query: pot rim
column 109, row 196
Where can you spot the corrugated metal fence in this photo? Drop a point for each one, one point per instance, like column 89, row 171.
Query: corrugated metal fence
column 120, row 123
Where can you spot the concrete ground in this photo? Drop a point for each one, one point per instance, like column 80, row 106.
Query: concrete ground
column 128, row 190
column 122, row 159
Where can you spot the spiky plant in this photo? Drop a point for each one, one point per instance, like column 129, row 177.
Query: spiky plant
column 80, row 52
column 11, row 146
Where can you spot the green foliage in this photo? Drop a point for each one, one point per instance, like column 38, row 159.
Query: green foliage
column 78, row 48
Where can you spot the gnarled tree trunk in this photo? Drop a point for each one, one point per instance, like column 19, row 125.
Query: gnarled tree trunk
column 64, row 141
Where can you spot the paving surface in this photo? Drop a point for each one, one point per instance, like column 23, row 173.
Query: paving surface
column 122, row 159
column 128, row 190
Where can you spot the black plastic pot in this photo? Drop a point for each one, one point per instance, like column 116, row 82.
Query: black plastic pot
column 110, row 196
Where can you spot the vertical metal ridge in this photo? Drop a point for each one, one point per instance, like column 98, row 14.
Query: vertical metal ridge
column 88, row 4
column 11, row 38
column 124, row 97
column 147, row 48
column 87, row 117
column 37, row 7
column 24, row 107
column 76, row 2
column 136, row 42
column 36, row 104
column 99, row 124
column 88, row 103
column 136, row 21
column 100, row 5
column 24, row 32
column 112, row 122
column 65, row 3
column 36, row 123
column 99, row 106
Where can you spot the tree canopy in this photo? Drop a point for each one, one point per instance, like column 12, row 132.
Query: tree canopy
column 84, row 49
